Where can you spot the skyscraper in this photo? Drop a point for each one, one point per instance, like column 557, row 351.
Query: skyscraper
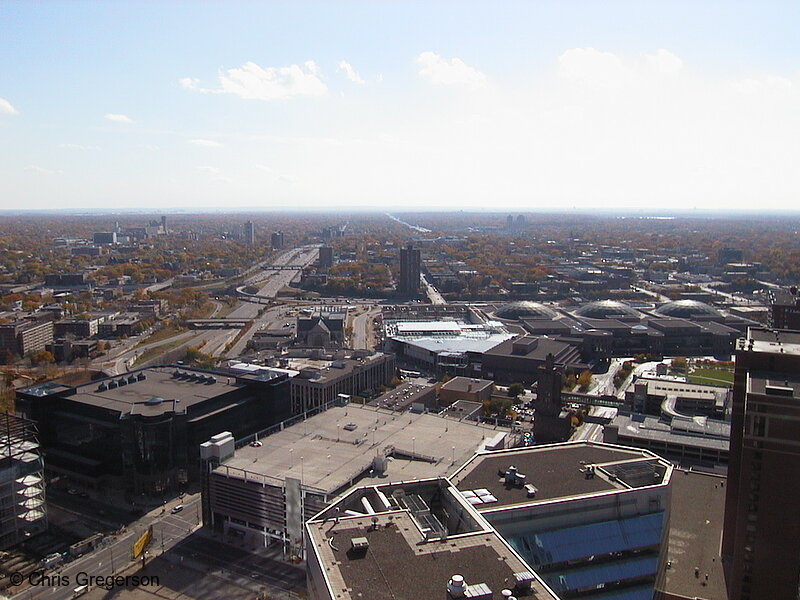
column 325, row 257
column 276, row 239
column 761, row 536
column 409, row 270
column 249, row 232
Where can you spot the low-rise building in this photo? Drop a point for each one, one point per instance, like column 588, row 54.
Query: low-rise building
column 684, row 440
column 649, row 396
column 25, row 336
column 140, row 432
column 281, row 477
column 322, row 379
column 465, row 388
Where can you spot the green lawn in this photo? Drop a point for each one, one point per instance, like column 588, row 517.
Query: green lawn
column 712, row 377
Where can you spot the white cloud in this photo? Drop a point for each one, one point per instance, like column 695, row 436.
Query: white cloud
column 442, row 71
column 205, row 143
column 6, row 108
column 252, row 82
column 770, row 84
column 118, row 118
column 214, row 174
column 664, row 62
column 351, row 73
column 42, row 170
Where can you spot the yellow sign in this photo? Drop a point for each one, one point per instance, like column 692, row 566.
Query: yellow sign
column 140, row 544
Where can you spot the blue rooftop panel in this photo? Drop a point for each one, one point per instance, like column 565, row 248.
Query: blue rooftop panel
column 597, row 539
column 607, row 572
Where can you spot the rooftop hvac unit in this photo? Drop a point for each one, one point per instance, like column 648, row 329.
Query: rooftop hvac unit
column 359, row 544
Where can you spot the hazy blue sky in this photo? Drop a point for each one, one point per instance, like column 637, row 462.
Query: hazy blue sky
column 496, row 105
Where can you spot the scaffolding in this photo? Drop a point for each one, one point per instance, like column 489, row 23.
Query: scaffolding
column 22, row 484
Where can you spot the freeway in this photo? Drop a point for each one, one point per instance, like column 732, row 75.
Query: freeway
column 215, row 342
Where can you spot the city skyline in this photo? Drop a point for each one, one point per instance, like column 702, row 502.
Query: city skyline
column 543, row 106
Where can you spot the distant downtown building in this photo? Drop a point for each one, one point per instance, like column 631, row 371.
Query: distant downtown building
column 277, row 240
column 325, row 257
column 409, row 270
column 761, row 537
column 249, row 232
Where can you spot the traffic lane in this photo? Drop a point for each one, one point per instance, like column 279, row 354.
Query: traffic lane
column 253, row 565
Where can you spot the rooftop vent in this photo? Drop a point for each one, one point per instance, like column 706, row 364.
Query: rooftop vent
column 102, row 387
column 141, row 376
column 122, row 381
column 132, row 379
column 456, row 587
column 112, row 385
column 153, row 401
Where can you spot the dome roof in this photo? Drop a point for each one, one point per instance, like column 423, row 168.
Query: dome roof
column 607, row 309
column 523, row 309
column 686, row 309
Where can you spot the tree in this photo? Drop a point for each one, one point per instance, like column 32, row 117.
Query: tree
column 42, row 356
column 679, row 363
column 585, row 380
column 515, row 390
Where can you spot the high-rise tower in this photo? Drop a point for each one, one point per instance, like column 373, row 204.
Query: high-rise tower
column 409, row 270
column 761, row 536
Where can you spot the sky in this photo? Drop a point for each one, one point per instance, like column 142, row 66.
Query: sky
column 381, row 105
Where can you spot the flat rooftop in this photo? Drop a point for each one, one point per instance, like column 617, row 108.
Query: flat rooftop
column 697, row 432
column 556, row 470
column 672, row 387
column 779, row 341
column 399, row 565
column 697, row 508
column 332, row 366
column 329, row 450
column 467, row 340
column 466, row 384
column 403, row 396
column 160, row 391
